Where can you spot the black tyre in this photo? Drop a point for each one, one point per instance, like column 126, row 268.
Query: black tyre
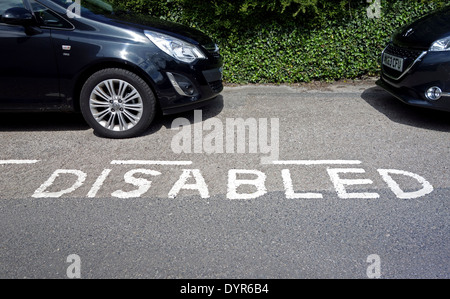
column 117, row 103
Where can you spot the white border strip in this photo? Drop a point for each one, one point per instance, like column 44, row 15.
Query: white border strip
column 318, row 162
column 9, row 162
column 144, row 162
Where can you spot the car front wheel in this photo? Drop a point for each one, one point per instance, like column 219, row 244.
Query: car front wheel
column 117, row 104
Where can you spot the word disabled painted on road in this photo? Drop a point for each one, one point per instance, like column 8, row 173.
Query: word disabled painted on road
column 137, row 183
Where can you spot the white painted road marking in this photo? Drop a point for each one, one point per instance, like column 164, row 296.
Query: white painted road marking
column 200, row 184
column 256, row 179
column 42, row 193
column 289, row 188
column 234, row 183
column 142, row 184
column 339, row 183
column 145, row 162
column 427, row 188
column 318, row 162
column 18, row 162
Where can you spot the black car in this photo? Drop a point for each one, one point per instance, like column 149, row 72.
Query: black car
column 416, row 63
column 118, row 69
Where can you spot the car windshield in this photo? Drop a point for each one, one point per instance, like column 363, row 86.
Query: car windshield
column 101, row 7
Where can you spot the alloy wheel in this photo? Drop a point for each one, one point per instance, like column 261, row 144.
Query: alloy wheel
column 116, row 105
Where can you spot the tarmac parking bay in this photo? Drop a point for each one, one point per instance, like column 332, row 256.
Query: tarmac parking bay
column 358, row 176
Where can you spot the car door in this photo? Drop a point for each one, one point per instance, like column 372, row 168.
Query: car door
column 28, row 68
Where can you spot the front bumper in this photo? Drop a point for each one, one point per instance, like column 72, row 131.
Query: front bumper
column 412, row 97
column 188, row 91
column 183, row 87
column 433, row 69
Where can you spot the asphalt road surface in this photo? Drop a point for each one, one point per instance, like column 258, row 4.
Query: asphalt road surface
column 338, row 181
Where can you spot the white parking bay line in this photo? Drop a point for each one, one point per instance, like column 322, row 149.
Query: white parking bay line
column 148, row 162
column 9, row 162
column 318, row 162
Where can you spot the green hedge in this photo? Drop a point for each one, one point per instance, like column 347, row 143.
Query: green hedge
column 291, row 41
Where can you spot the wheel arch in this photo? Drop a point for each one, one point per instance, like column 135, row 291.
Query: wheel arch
column 109, row 64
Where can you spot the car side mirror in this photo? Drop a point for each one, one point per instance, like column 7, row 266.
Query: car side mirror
column 17, row 16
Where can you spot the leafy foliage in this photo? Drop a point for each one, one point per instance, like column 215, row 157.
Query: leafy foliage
column 289, row 41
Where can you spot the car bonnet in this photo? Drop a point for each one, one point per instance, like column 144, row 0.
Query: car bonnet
column 145, row 22
column 422, row 33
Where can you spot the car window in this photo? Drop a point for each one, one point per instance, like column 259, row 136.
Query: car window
column 7, row 4
column 48, row 18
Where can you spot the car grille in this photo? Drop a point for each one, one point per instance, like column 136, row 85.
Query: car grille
column 216, row 55
column 403, row 52
column 214, row 51
column 409, row 55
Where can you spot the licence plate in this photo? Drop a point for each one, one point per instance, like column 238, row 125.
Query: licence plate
column 393, row 62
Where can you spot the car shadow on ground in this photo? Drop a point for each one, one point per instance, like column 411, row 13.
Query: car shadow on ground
column 61, row 121
column 42, row 121
column 405, row 114
column 212, row 109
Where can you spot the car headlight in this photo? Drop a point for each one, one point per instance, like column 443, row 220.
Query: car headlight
column 441, row 45
column 175, row 47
